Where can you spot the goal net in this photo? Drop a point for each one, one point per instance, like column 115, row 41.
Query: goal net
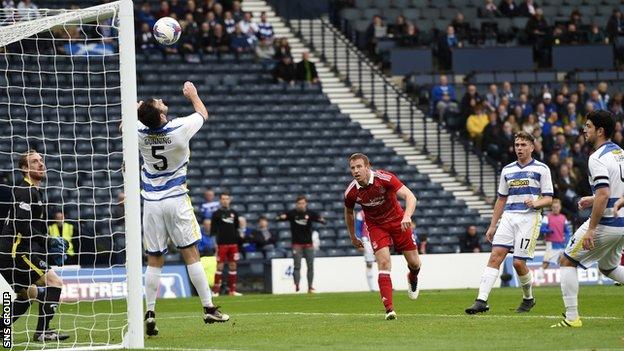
column 67, row 82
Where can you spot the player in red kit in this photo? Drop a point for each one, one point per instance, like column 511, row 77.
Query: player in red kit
column 377, row 191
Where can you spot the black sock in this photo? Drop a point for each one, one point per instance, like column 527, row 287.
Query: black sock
column 48, row 302
column 19, row 308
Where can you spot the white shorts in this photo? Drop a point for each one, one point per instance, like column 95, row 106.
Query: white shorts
column 518, row 232
column 552, row 255
column 607, row 251
column 369, row 254
column 172, row 218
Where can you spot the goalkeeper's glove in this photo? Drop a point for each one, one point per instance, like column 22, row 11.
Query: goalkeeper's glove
column 57, row 250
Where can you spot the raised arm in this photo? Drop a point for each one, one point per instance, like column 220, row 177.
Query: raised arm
column 190, row 92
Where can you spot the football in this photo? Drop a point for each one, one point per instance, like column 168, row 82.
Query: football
column 167, row 30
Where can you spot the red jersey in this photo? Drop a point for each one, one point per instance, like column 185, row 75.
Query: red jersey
column 378, row 198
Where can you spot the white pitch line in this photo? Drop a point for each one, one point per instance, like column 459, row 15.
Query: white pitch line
column 182, row 349
column 400, row 315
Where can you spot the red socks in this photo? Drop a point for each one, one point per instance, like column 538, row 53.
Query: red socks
column 385, row 289
column 232, row 281
column 216, row 288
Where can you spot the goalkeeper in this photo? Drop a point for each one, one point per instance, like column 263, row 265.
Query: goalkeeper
column 25, row 249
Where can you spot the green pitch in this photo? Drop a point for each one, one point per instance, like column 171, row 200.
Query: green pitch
column 351, row 321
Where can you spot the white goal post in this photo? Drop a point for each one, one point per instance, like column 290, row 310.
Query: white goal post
column 16, row 27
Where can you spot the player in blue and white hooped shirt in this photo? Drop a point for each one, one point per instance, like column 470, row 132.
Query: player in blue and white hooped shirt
column 525, row 188
column 167, row 209
column 601, row 237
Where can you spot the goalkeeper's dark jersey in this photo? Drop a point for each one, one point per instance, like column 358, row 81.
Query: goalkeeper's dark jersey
column 25, row 229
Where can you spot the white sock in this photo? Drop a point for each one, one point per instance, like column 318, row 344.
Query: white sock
column 569, row 291
column 199, row 281
column 152, row 281
column 487, row 282
column 369, row 278
column 617, row 274
column 527, row 285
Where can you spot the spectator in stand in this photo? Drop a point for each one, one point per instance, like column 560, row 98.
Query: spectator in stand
column 556, row 229
column 265, row 50
column 217, row 8
column 489, row 10
column 615, row 26
column 145, row 42
column 262, row 237
column 239, row 42
column 237, row 10
column 282, row 48
column 249, row 28
column 476, row 123
column 616, row 106
column 583, row 94
column 507, row 92
column 492, row 134
column 470, row 99
column 597, row 101
column 164, row 10
column 462, row 28
column 560, row 105
column 8, row 4
column 549, row 105
column 508, row 8
column 398, row 28
column 410, row 38
column 375, row 31
column 191, row 8
column 208, row 207
column 177, row 9
column 470, row 242
column 27, row 10
column 604, row 94
column 188, row 40
column 203, row 39
column 284, row 71
column 446, row 43
column 523, row 102
column 305, row 70
column 265, row 30
column 445, row 106
column 537, row 32
column 565, row 188
column 144, row 14
column 229, row 23
column 571, row 113
column 538, row 153
column 572, row 36
column 530, row 124
column 211, row 19
column 528, row 8
column 220, row 40
column 492, row 98
column 438, row 91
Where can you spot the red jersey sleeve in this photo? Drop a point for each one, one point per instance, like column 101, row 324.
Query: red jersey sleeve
column 391, row 181
column 349, row 196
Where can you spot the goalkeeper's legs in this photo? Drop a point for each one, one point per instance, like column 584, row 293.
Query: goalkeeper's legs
column 198, row 279
column 48, row 295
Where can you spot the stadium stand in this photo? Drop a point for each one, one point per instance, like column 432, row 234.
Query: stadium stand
column 265, row 143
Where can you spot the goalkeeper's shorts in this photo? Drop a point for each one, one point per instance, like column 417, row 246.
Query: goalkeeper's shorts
column 22, row 271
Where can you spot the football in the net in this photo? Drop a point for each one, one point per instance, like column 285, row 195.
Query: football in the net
column 167, row 30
